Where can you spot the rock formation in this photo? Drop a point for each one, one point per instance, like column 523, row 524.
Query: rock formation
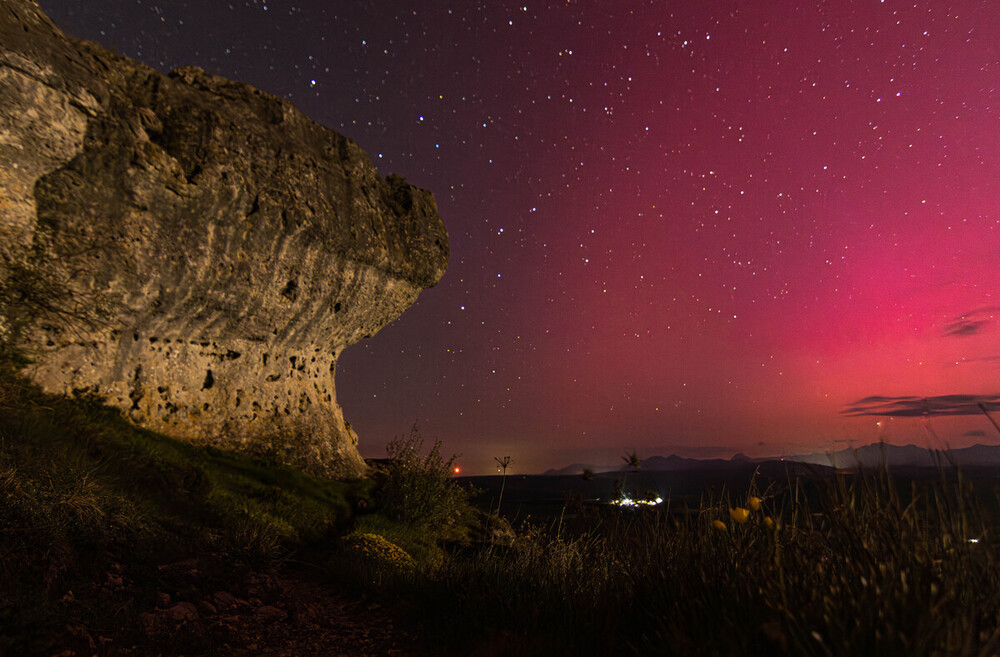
column 194, row 250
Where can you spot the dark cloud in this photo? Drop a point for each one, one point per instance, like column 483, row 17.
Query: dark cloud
column 923, row 406
column 971, row 323
column 962, row 327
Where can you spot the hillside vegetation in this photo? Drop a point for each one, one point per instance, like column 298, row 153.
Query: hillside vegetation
column 92, row 508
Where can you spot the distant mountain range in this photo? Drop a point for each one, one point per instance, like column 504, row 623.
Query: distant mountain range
column 873, row 455
column 905, row 455
column 655, row 464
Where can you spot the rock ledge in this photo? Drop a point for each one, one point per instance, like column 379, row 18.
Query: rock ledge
column 193, row 249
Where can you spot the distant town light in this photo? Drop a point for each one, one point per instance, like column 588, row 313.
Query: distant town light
column 628, row 501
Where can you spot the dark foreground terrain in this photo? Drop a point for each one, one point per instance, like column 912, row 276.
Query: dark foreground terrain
column 118, row 541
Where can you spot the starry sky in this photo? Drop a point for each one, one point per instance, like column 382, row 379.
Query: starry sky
column 692, row 227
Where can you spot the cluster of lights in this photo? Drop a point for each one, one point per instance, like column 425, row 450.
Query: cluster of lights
column 628, row 501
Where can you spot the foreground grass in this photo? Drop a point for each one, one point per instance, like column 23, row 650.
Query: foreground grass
column 87, row 500
column 847, row 569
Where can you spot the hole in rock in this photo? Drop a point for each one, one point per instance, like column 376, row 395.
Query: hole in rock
column 291, row 290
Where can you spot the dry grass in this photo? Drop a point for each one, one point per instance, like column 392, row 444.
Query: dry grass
column 821, row 567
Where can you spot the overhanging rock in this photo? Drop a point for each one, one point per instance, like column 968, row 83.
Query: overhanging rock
column 193, row 249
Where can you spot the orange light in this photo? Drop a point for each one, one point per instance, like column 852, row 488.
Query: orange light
column 457, row 469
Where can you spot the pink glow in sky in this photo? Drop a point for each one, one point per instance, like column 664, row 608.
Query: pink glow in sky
column 701, row 227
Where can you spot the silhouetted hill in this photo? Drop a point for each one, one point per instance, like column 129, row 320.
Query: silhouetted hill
column 674, row 463
column 878, row 454
column 578, row 468
column 869, row 456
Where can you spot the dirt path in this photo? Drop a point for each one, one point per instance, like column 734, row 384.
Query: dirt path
column 291, row 612
column 311, row 618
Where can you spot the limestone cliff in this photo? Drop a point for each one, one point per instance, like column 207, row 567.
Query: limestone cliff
column 194, row 250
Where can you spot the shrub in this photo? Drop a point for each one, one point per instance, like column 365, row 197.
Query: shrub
column 379, row 552
column 373, row 565
column 418, row 489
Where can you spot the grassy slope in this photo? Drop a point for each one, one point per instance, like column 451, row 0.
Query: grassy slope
column 83, row 491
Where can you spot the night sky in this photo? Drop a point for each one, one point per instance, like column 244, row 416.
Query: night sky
column 694, row 227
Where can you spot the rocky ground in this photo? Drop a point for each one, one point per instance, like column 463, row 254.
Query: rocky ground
column 290, row 611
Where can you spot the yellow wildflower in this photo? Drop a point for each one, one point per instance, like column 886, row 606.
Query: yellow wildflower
column 754, row 503
column 768, row 522
column 739, row 514
column 375, row 550
column 718, row 524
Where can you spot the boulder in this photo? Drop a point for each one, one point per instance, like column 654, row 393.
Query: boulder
column 194, row 250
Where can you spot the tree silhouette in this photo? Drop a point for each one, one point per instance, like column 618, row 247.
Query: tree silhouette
column 633, row 461
column 502, row 464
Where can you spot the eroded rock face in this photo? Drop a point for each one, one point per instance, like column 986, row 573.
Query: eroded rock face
column 193, row 249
